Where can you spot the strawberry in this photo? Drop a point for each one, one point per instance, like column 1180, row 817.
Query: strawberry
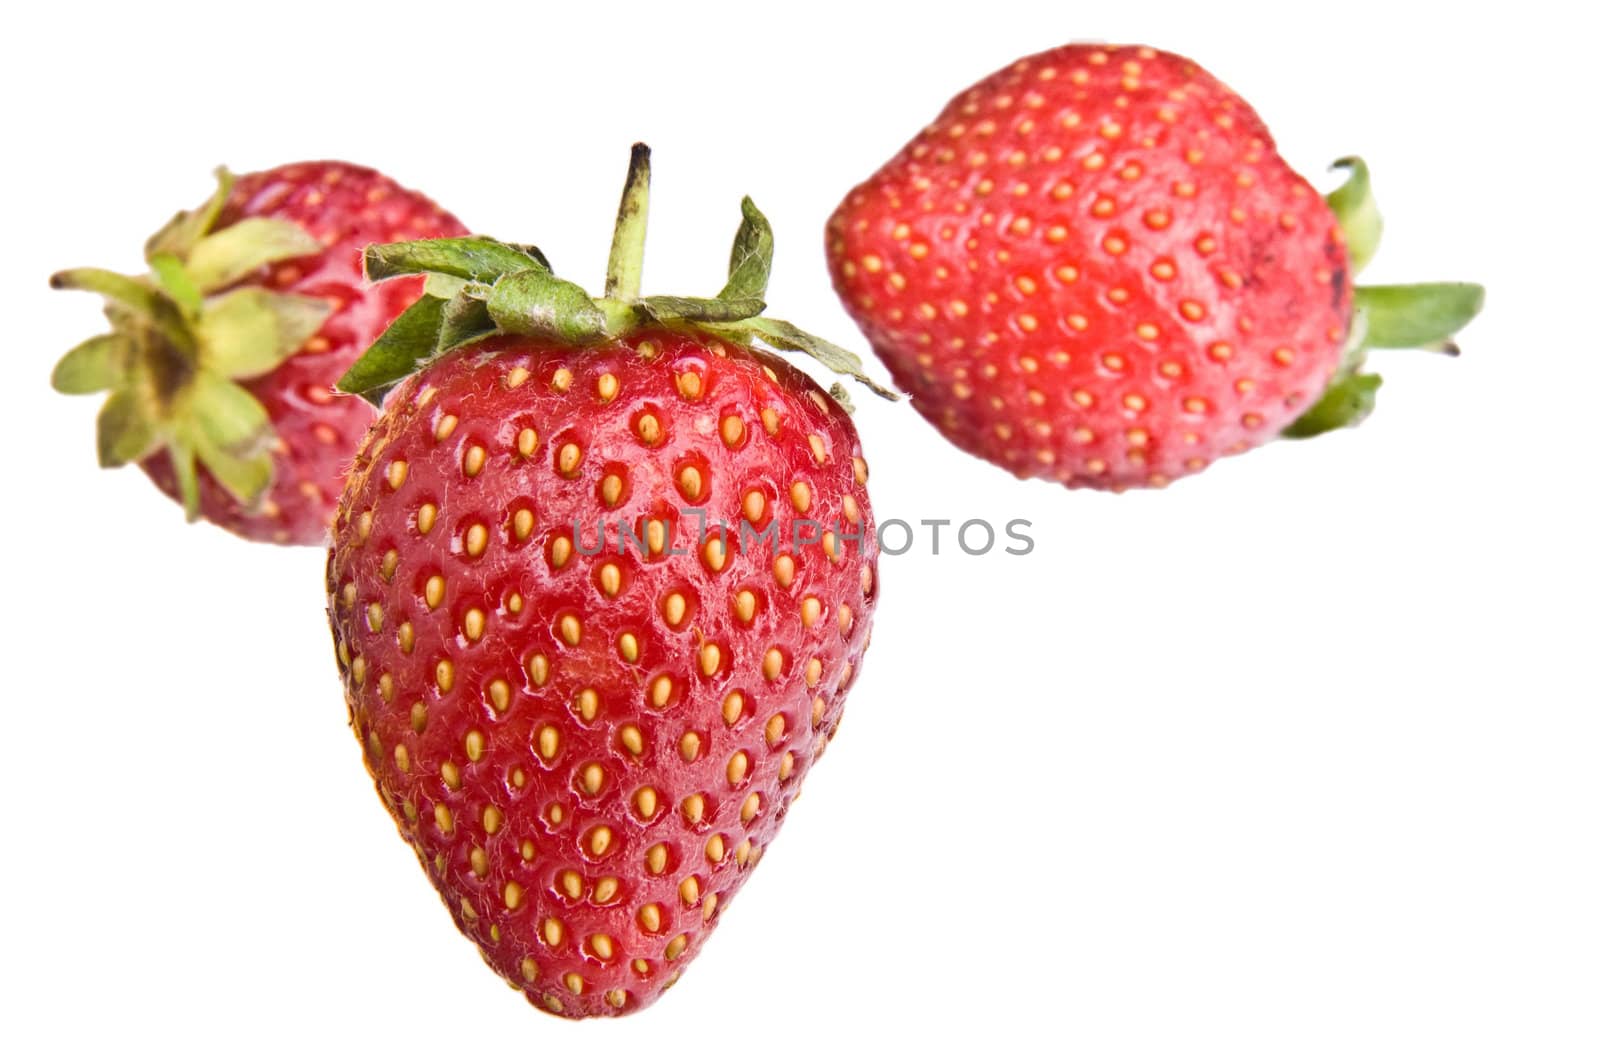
column 1093, row 267
column 601, row 578
column 221, row 361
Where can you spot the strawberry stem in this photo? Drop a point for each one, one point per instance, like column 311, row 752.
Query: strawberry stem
column 625, row 269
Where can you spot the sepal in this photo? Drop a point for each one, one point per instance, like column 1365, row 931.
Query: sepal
column 96, row 365
column 1353, row 205
column 1418, row 315
column 230, row 255
column 251, row 331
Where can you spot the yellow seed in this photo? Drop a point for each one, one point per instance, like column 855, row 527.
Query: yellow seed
column 530, row 969
column 710, row 906
column 568, row 459
column 694, row 807
column 689, row 746
column 472, row 624
column 474, row 744
column 810, row 610
column 674, row 608
column 772, row 663
column 846, row 619
column 800, row 495
column 631, row 739
column 660, row 691
column 716, row 848
column 402, row 758
column 442, row 818
column 644, row 800
column 444, row 674
column 472, row 461
column 676, row 947
column 433, row 591
column 655, row 534
column 611, row 489
column 648, row 428
column 641, row 966
column 492, row 819
column 770, row 421
column 733, row 708
column 751, row 806
column 783, row 570
column 571, row 630
column 689, row 385
column 819, row 450
column 419, row 717
column 600, row 946
column 560, row 551
column 517, row 377
column 732, row 430
column 447, row 425
column 716, row 553
column 451, row 775
column 628, row 645
column 572, row 884
column 522, row 523
column 588, row 703
column 606, row 387
column 427, row 514
column 605, row 889
column 527, row 441
column 689, row 890
column 650, row 917
column 513, row 895
column 616, row 998
column 755, row 505
column 573, row 982
column 374, row 617
column 830, row 545
column 553, row 931
column 786, row 765
column 538, row 669
column 860, row 467
column 552, row 1002
column 710, row 659
column 592, row 778
column 738, row 766
column 549, row 742
column 813, row 672
column 819, row 709
column 391, row 561
column 776, row 726
column 610, row 579
column 655, row 858
column 500, row 695
column 599, row 840
column 689, row 482
column 744, row 606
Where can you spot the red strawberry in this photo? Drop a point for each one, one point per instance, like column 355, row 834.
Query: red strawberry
column 1093, row 267
column 261, row 286
column 587, row 719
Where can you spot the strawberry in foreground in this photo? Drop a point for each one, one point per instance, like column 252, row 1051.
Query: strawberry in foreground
column 1093, row 267
column 586, row 715
column 221, row 360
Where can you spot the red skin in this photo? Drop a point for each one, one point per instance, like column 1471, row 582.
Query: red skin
column 346, row 207
column 376, row 518
column 1009, row 264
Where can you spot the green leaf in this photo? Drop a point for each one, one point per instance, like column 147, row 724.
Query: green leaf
column 1345, row 404
column 465, row 319
column 536, row 303
column 679, row 308
column 125, row 430
column 842, row 397
column 443, row 285
column 1417, row 315
column 176, row 282
column 187, row 476
column 750, row 264
column 96, row 365
column 785, row 336
column 472, row 258
column 250, row 331
column 1353, row 205
column 134, row 296
column 186, row 228
column 232, row 254
column 625, row 267
column 225, row 415
column 407, row 345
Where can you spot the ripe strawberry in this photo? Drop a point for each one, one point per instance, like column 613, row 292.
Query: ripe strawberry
column 262, row 286
column 1093, row 267
column 588, row 719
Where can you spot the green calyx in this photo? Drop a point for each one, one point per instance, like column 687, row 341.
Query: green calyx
column 1422, row 317
column 479, row 288
column 181, row 336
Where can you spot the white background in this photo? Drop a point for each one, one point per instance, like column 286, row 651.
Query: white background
column 1295, row 761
